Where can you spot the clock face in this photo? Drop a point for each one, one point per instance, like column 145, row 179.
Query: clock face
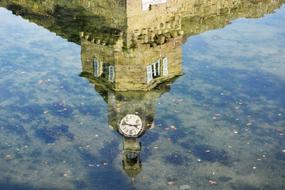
column 131, row 126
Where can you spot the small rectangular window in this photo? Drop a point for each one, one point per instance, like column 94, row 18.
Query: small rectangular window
column 147, row 3
column 156, row 69
column 153, row 71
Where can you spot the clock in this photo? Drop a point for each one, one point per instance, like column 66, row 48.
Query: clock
column 131, row 125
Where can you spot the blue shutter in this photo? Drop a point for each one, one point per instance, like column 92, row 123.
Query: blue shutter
column 111, row 73
column 149, row 73
column 165, row 66
column 96, row 67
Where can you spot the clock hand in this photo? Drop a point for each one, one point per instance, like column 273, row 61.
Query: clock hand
column 136, row 126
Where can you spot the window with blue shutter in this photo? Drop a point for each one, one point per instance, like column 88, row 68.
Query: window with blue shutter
column 153, row 71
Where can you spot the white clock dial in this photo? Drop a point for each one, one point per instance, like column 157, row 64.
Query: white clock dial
column 131, row 126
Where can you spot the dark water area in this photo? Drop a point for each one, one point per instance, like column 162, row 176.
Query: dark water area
column 157, row 94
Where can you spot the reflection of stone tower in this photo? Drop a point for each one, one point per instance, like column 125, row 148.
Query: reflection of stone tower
column 131, row 157
column 137, row 21
column 136, row 69
column 121, row 104
column 139, row 103
column 144, row 54
column 130, row 70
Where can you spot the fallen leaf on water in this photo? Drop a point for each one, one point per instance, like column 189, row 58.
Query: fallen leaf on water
column 213, row 182
column 105, row 163
column 171, row 182
column 8, row 157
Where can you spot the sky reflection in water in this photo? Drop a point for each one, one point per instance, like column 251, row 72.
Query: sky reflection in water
column 221, row 122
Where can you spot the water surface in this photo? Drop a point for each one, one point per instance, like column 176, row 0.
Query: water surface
column 220, row 125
